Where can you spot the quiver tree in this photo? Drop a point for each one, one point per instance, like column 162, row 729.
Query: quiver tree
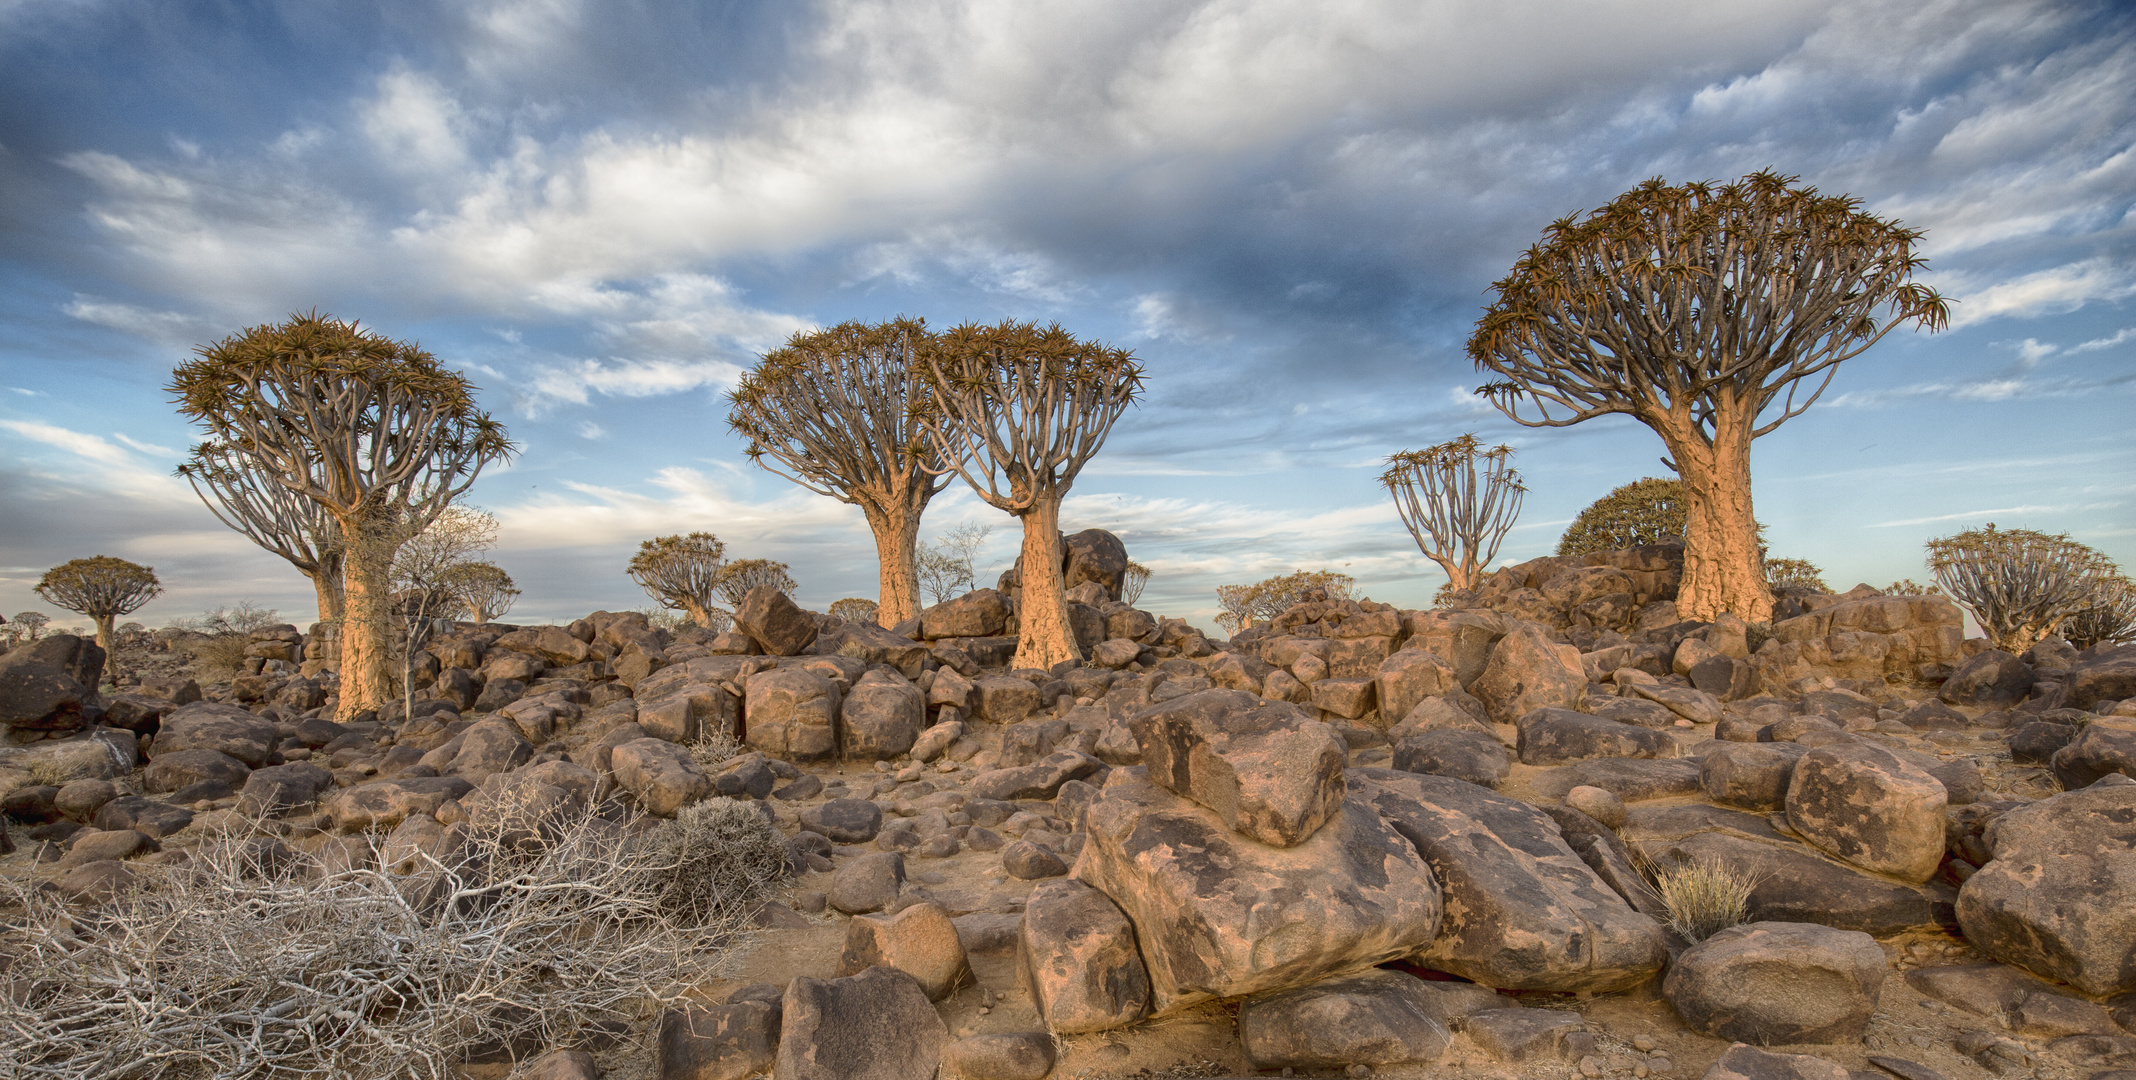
column 1646, row 511
column 1457, row 513
column 1133, row 582
column 1017, row 412
column 270, row 514
column 1794, row 574
column 2109, row 616
column 1711, row 315
column 1245, row 605
column 834, row 410
column 737, row 578
column 854, row 609
column 680, row 572
column 102, row 588
column 482, row 590
column 2021, row 585
column 371, row 429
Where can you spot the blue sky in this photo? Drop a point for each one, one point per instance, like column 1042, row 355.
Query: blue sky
column 1290, row 211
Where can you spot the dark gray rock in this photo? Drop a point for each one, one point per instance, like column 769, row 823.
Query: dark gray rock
column 877, row 1025
column 717, row 1042
column 1553, row 736
column 179, row 769
column 1745, row 1062
column 207, row 725
column 1521, row 1035
column 1988, row 677
column 1377, row 1018
column 868, row 883
column 2054, row 898
column 1471, row 756
column 844, row 821
column 771, row 619
column 1077, row 957
column 2101, row 749
column 1026, row 861
column 279, row 788
column 1265, row 768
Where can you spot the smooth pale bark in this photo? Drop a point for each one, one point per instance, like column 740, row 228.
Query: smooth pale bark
column 698, row 612
column 1043, row 636
column 107, row 640
column 367, row 624
column 1723, row 570
column 326, row 583
column 897, row 540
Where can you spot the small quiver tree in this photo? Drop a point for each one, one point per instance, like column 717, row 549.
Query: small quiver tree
column 854, row 609
column 1646, row 511
column 834, row 410
column 291, row 525
column 680, row 572
column 374, row 430
column 481, row 590
column 1794, row 574
column 1133, row 582
column 737, row 578
column 2109, row 616
column 102, row 588
column 1699, row 311
column 1457, row 514
column 1017, row 411
column 2021, row 585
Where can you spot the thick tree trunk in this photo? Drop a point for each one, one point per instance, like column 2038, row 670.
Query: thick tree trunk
column 1044, row 637
column 698, row 613
column 107, row 639
column 326, row 584
column 1723, row 570
column 366, row 623
column 897, row 541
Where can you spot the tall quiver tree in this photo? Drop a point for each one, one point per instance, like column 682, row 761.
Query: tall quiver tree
column 102, row 588
column 1711, row 315
column 291, row 525
column 371, row 429
column 681, row 572
column 833, row 409
column 1457, row 514
column 1017, row 412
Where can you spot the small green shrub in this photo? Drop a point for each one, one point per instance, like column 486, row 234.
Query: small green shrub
column 1645, row 511
column 1704, row 897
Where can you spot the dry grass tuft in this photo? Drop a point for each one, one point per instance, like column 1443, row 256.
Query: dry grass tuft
column 713, row 748
column 725, row 854
column 240, row 964
column 1704, row 897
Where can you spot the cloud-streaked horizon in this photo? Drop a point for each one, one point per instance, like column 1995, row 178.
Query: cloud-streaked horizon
column 1291, row 211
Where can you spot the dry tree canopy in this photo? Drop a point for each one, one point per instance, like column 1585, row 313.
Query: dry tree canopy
column 737, row 578
column 2024, row 586
column 251, row 501
column 101, row 587
column 681, row 572
column 481, row 590
column 854, row 609
column 1457, row 516
column 1245, row 605
column 1795, row 573
column 1133, row 582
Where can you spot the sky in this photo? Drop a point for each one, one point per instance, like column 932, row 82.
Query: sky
column 603, row 213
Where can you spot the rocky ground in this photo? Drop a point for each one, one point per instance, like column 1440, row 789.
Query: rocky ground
column 1359, row 840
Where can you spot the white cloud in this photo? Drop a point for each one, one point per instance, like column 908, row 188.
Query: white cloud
column 168, row 328
column 414, row 124
column 1962, row 515
column 587, row 429
column 2119, row 337
column 113, row 469
column 2052, row 291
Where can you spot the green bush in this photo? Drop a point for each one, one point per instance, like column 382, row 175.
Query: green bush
column 1794, row 573
column 1645, row 511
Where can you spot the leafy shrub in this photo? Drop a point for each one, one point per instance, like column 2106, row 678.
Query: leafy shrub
column 855, row 610
column 1704, row 897
column 1910, row 587
column 721, row 859
column 2023, row 585
column 1645, row 511
column 253, row 961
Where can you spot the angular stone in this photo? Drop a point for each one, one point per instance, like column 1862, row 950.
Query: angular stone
column 1037, row 781
column 919, row 940
column 280, row 788
column 1527, row 672
column 2102, row 673
column 1408, row 677
column 1076, row 955
column 1461, row 638
column 1026, row 861
column 551, row 644
column 569, row 1065
column 2054, row 900
column 490, row 746
column 1523, row 911
column 877, row 645
column 96, row 882
column 1003, row 699
column 844, row 821
column 868, row 882
column 791, row 714
column 1598, row 846
column 881, row 719
column 1745, row 1062
column 1697, row 706
column 1377, row 1018
column 1868, row 806
column 1520, row 1035
column 2100, row 750
column 1349, row 698
column 977, row 614
column 1773, row 982
column 1471, row 756
column 170, row 771
column 207, row 725
column 682, row 713
column 877, row 1025
column 1551, row 736
column 45, row 684
column 774, row 621
column 147, row 816
column 1220, row 915
column 1264, row 768
column 1750, row 776
column 662, row 775
column 1635, row 779
column 1632, row 710
column 383, row 804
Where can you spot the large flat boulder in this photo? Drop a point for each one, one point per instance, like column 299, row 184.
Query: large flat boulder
column 383, row 804
column 1772, row 983
column 208, row 725
column 1220, row 915
column 1263, row 767
column 1523, row 910
column 1554, row 736
column 1375, row 1018
column 2102, row 673
column 2055, row 899
column 1871, row 807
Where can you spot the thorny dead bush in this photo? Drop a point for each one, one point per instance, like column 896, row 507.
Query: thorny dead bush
column 231, row 966
column 725, row 855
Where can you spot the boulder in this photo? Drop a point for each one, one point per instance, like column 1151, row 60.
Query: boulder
column 1869, row 806
column 383, row 804
column 1527, row 672
column 277, row 789
column 1461, row 638
column 1686, row 702
column 2101, row 673
column 208, row 725
column 919, row 940
column 1094, row 555
column 553, row 645
column 488, row 747
column 1040, row 780
column 1264, row 768
column 1377, row 1018
column 1026, row 861
column 791, row 714
column 1219, row 915
column 2101, row 749
column 977, row 614
column 844, row 821
column 1519, row 1035
column 1003, row 699
column 1745, row 1062
column 1461, row 754
column 168, row 772
column 1348, row 697
column 684, row 712
column 877, row 1025
column 46, row 684
column 717, row 1042
column 868, row 882
column 1750, row 776
column 1076, row 955
column 1021, row 1055
column 149, row 817
column 662, row 775
column 1552, row 736
column 881, row 718
column 771, row 619
column 1633, row 779
column 874, row 644
column 1774, row 982
column 1523, row 911
column 2055, row 898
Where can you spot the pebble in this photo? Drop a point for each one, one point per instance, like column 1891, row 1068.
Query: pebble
column 1590, row 1066
column 1642, row 1043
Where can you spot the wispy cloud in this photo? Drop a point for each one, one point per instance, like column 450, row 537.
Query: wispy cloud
column 1965, row 515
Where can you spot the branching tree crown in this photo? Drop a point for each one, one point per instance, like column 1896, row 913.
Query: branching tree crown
column 1133, row 582
column 681, row 572
column 2021, row 585
column 293, row 526
column 481, row 590
column 1700, row 311
column 854, row 609
column 742, row 575
column 373, row 430
column 1795, row 573
column 102, row 588
column 1017, row 411
column 1457, row 516
column 833, row 412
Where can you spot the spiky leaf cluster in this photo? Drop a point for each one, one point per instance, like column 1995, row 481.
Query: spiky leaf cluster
column 1794, row 574
column 854, row 609
column 1458, row 499
column 482, row 590
column 737, row 578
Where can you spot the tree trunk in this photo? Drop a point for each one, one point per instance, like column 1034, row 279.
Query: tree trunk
column 1723, row 571
column 698, row 613
column 1043, row 636
column 107, row 640
column 326, row 583
column 897, row 541
column 366, row 623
